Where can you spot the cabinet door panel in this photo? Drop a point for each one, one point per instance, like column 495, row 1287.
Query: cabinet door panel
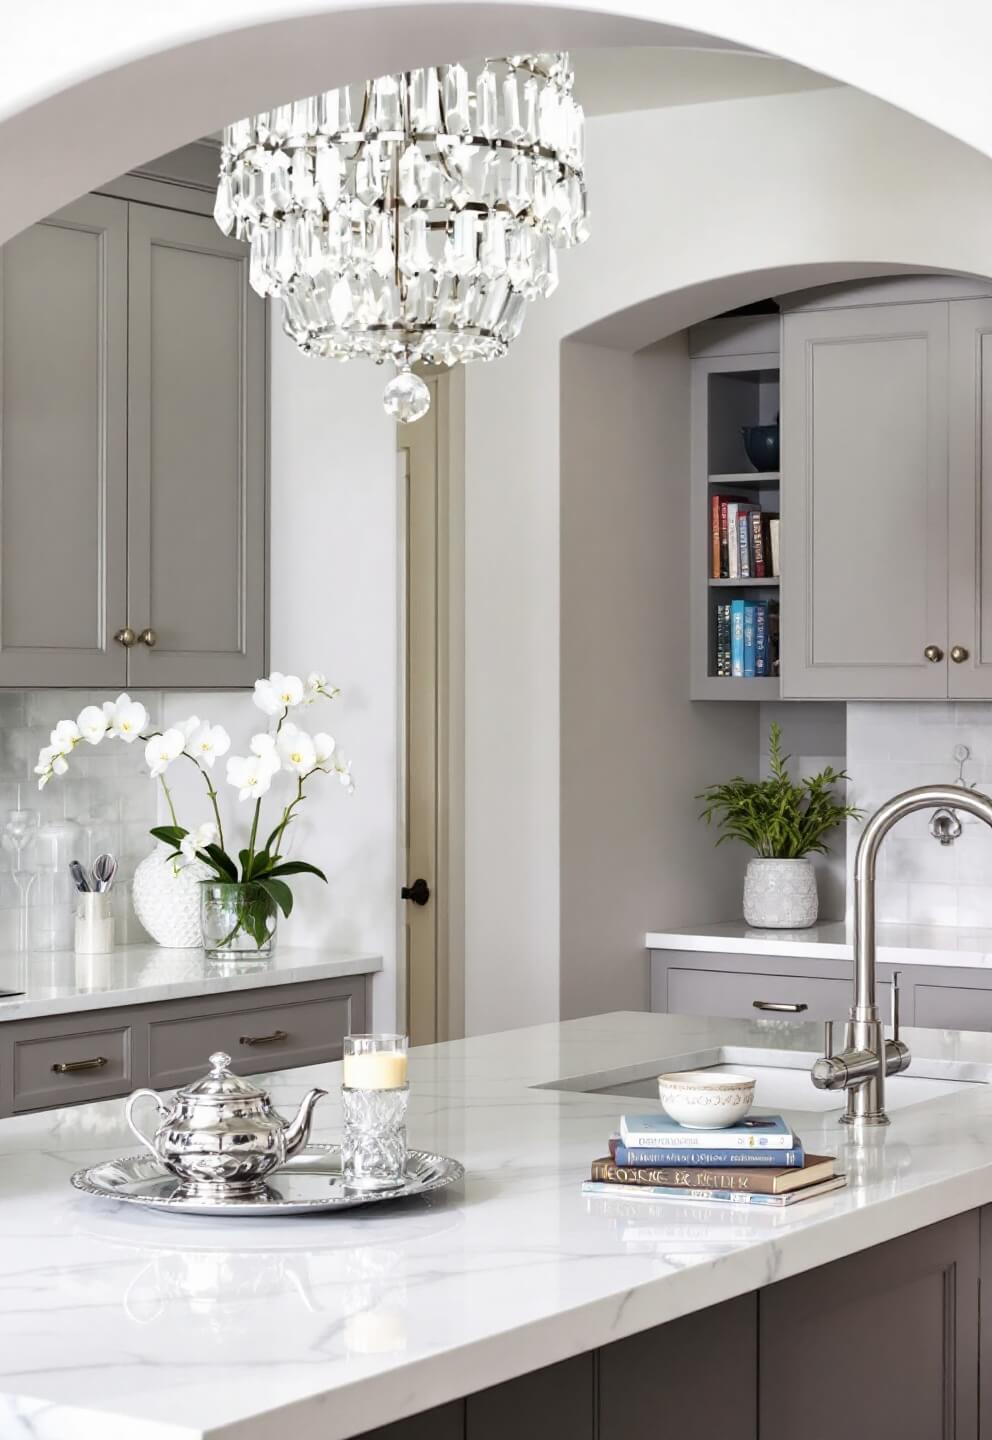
column 63, row 387
column 723, row 992
column 694, row 1377
column 196, row 447
column 892, row 1331
column 864, row 502
column 970, row 510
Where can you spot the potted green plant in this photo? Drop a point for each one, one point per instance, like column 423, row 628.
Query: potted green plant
column 784, row 824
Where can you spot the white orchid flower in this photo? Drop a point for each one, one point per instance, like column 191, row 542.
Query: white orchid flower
column 198, row 839
column 162, row 749
column 251, row 774
column 189, row 727
column 297, row 752
column 64, row 737
column 92, row 723
column 278, row 693
column 316, row 685
column 207, row 742
column 126, row 718
column 264, row 746
column 342, row 770
column 51, row 761
column 324, row 745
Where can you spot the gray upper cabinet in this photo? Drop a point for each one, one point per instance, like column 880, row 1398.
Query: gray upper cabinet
column 865, row 503
column 196, row 455
column 63, row 464
column 132, row 451
column 970, row 581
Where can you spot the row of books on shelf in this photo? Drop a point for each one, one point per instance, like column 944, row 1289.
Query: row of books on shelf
column 744, row 540
column 747, row 641
column 653, row 1158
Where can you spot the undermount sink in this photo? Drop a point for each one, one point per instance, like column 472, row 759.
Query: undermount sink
column 783, row 1079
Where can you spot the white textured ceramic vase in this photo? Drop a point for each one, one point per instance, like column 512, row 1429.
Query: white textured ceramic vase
column 780, row 894
column 167, row 902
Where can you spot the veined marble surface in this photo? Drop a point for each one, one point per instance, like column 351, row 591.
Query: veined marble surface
column 59, row 982
column 124, row 1325
column 831, row 940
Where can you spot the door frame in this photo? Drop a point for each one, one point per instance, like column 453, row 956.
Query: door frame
column 448, row 881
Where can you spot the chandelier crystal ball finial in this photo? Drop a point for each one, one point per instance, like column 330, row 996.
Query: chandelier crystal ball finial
column 412, row 218
column 406, row 397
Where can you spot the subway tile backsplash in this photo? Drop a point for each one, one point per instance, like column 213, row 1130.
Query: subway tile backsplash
column 107, row 793
column 891, row 747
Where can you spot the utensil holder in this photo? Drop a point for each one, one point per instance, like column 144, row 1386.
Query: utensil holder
column 94, row 924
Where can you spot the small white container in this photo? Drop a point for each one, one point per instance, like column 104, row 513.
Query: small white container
column 94, row 924
column 700, row 1100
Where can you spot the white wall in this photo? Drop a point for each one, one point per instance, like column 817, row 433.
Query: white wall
column 685, row 204
column 334, row 607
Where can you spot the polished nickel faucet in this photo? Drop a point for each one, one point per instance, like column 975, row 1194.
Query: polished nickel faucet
column 868, row 1057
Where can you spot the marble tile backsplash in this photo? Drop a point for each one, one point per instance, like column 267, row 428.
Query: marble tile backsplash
column 107, row 793
column 891, row 747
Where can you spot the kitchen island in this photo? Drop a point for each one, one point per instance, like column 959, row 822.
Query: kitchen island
column 541, row 1306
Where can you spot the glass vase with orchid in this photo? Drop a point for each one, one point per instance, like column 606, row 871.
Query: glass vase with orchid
column 247, row 886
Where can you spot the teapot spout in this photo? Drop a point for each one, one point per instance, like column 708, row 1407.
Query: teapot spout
column 298, row 1130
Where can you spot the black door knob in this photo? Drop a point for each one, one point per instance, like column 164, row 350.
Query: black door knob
column 419, row 892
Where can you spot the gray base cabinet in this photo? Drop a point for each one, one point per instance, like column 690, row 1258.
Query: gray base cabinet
column 99, row 1054
column 880, row 1344
column 745, row 987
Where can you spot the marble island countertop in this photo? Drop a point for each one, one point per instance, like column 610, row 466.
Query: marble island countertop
column 60, row 982
column 831, row 940
column 134, row 1326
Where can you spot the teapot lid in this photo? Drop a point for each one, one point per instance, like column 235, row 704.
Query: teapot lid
column 222, row 1084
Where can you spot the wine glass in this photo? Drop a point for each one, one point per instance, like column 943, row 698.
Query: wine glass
column 18, row 835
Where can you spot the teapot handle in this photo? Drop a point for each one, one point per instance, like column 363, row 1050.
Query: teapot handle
column 129, row 1105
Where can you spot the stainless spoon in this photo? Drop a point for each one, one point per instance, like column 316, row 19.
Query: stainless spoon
column 104, row 870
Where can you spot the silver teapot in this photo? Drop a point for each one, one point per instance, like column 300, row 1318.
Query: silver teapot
column 221, row 1136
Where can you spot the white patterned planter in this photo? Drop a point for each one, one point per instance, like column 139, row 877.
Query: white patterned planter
column 167, row 902
column 780, row 894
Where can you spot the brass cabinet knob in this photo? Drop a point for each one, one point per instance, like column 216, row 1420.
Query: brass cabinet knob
column 959, row 654
column 148, row 637
column 126, row 637
column 934, row 654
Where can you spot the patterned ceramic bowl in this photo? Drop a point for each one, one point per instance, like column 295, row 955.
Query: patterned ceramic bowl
column 702, row 1100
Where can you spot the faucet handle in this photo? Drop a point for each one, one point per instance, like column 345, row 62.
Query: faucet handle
column 828, row 1039
column 895, row 1005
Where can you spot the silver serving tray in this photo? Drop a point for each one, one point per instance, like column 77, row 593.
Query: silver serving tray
column 307, row 1184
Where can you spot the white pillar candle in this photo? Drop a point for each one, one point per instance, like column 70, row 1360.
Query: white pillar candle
column 375, row 1070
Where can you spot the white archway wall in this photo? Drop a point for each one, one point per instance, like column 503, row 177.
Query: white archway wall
column 779, row 184
column 88, row 90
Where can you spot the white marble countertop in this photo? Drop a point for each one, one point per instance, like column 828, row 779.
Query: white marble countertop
column 60, row 982
column 134, row 1326
column 831, row 940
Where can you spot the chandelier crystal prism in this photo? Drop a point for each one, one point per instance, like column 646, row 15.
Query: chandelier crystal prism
column 412, row 218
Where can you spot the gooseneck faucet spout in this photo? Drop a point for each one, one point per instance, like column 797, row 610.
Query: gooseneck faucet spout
column 868, row 1057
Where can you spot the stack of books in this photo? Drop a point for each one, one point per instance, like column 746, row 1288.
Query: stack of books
column 747, row 638
column 758, row 1161
column 744, row 539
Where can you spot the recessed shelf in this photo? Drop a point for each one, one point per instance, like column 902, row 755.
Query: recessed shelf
column 748, row 480
column 745, row 582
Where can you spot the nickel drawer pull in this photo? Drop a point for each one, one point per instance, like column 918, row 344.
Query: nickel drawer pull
column 263, row 1039
column 69, row 1067
column 781, row 1007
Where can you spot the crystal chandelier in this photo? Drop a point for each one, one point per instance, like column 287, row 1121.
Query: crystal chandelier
column 413, row 217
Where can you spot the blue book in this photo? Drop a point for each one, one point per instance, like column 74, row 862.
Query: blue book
column 651, row 1157
column 737, row 637
column 749, row 634
column 764, row 1132
column 719, row 1197
column 761, row 638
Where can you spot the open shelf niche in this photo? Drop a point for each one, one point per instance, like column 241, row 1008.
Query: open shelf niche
column 736, row 388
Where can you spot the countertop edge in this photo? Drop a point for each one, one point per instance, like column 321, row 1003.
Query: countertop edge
column 336, row 966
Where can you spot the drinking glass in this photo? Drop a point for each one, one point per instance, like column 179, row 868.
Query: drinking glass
column 19, row 831
column 374, row 1098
